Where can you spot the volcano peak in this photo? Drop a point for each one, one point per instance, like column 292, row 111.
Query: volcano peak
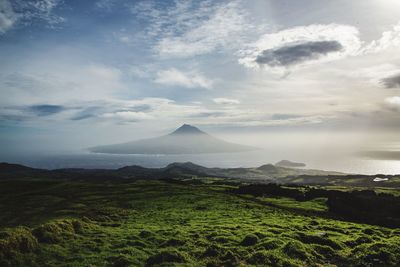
column 187, row 129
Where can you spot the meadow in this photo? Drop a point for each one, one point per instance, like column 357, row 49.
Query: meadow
column 175, row 223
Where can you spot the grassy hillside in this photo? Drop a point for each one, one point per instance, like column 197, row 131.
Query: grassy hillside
column 139, row 223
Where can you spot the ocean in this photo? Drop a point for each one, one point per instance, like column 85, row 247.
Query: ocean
column 322, row 161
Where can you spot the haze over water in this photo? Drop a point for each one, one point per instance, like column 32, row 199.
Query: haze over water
column 349, row 163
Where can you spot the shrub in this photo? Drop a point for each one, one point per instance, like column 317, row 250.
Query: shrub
column 14, row 243
column 136, row 243
column 358, row 241
column 145, row 234
column 165, row 256
column 368, row 231
column 212, row 251
column 249, row 240
column 56, row 231
column 271, row 244
column 326, row 252
column 377, row 254
column 19, row 240
column 230, row 259
column 297, row 250
column 221, row 239
column 264, row 258
column 121, row 261
column 173, row 242
column 79, row 226
column 316, row 239
column 212, row 264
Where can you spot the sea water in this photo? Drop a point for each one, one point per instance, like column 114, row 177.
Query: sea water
column 340, row 163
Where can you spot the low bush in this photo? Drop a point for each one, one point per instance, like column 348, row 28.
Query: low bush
column 249, row 240
column 320, row 240
column 271, row 244
column 376, row 254
column 14, row 243
column 145, row 234
column 212, row 251
column 165, row 257
column 56, row 231
column 229, row 259
column 120, row 261
column 173, row 242
column 297, row 250
column 264, row 258
column 18, row 240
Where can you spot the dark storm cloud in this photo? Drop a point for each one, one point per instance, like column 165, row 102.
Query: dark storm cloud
column 45, row 110
column 392, row 81
column 293, row 54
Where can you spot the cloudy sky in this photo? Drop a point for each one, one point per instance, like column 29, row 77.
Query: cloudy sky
column 79, row 73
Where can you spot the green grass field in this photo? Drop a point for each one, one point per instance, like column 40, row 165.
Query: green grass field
column 149, row 223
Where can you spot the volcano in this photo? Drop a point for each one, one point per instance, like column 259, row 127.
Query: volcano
column 186, row 139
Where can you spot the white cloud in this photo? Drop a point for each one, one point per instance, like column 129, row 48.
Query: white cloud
column 308, row 45
column 226, row 101
column 112, row 111
column 374, row 74
column 126, row 111
column 105, row 4
column 389, row 39
column 393, row 103
column 7, row 16
column 91, row 82
column 104, row 72
column 143, row 71
column 61, row 84
column 24, row 12
column 125, row 39
column 174, row 77
column 191, row 28
column 210, row 34
column 128, row 116
column 45, row 6
column 301, row 46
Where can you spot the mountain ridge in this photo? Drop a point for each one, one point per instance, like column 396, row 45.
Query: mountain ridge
column 266, row 173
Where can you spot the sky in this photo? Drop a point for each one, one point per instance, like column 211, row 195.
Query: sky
column 74, row 74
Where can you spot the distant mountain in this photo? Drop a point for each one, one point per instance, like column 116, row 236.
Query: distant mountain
column 289, row 164
column 186, row 139
column 265, row 173
column 187, row 170
column 9, row 167
column 187, row 129
column 268, row 168
column 11, row 171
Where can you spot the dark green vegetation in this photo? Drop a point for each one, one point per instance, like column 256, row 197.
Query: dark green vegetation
column 186, row 222
column 364, row 206
column 187, row 215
